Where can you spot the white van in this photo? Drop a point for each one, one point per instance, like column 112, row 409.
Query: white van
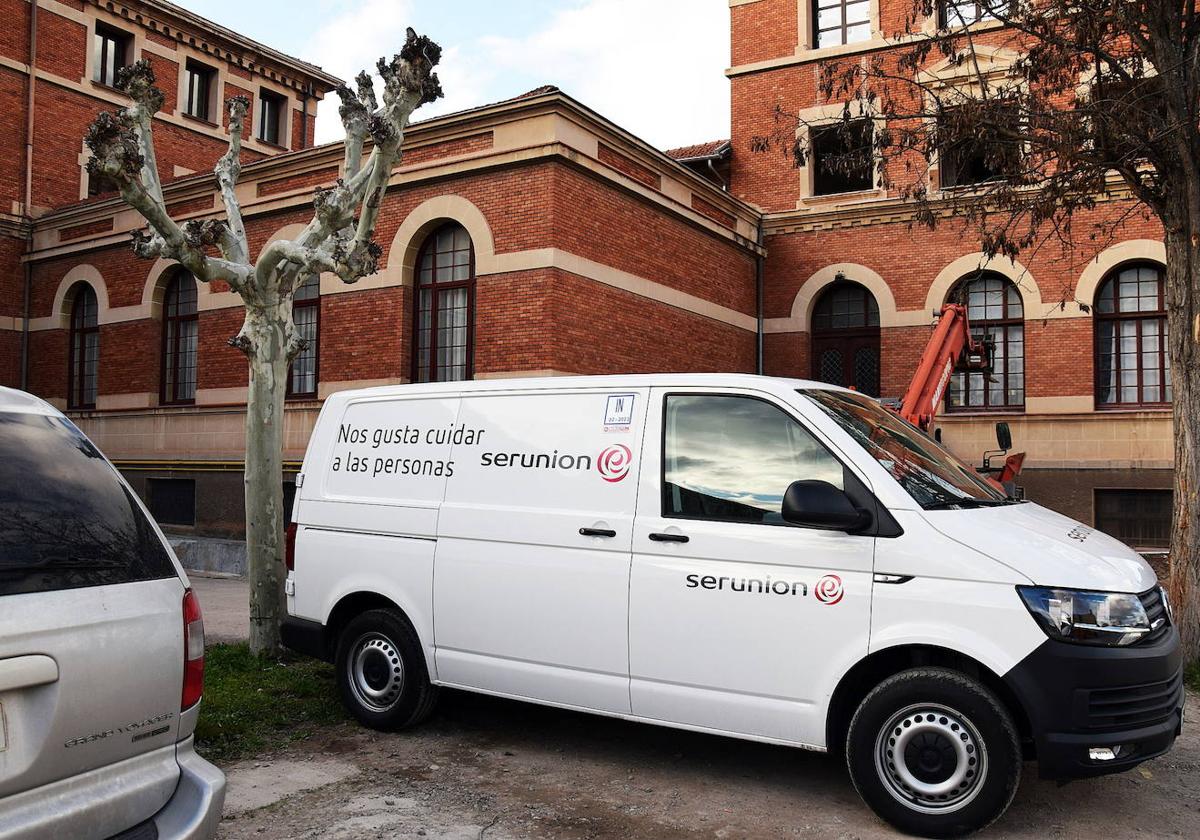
column 769, row 559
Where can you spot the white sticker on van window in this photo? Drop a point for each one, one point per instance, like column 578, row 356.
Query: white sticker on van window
column 619, row 410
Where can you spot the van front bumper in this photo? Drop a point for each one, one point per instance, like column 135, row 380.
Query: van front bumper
column 1084, row 701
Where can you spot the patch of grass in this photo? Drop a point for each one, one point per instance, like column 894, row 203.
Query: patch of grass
column 1192, row 676
column 252, row 704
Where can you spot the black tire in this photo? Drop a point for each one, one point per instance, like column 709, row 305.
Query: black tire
column 960, row 755
column 381, row 672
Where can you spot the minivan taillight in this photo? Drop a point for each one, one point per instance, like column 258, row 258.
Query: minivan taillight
column 289, row 547
column 193, row 652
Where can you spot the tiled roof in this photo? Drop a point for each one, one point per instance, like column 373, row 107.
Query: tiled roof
column 713, row 148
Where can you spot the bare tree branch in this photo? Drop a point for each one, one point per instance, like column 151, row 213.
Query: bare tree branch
column 236, row 247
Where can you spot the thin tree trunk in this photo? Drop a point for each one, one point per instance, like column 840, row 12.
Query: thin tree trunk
column 266, row 329
column 1183, row 319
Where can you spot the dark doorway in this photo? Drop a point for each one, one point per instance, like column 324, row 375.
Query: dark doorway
column 845, row 338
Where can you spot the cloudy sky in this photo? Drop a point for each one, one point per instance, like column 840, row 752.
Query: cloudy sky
column 655, row 67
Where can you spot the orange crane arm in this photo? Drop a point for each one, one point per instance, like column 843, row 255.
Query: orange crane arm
column 951, row 341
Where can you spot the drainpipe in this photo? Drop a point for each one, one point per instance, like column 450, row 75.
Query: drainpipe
column 712, row 167
column 304, row 116
column 760, row 261
column 28, row 204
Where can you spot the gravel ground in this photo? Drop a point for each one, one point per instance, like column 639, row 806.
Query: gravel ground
column 489, row 768
column 492, row 768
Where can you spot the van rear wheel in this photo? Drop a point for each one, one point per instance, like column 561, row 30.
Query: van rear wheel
column 934, row 753
column 381, row 672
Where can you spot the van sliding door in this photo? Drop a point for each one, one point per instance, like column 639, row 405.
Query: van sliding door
column 531, row 577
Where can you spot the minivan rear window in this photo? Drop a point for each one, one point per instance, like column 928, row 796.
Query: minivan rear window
column 66, row 519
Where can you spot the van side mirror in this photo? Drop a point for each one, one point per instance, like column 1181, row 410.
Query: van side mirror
column 1003, row 436
column 818, row 504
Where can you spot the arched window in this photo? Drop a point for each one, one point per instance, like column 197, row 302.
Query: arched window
column 85, row 349
column 306, row 312
column 1131, row 338
column 997, row 315
column 845, row 338
column 180, row 328
column 445, row 303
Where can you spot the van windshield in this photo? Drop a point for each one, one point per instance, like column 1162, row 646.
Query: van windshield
column 930, row 474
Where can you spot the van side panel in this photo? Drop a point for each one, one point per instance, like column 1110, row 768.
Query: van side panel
column 390, row 454
column 374, row 478
column 975, row 611
column 333, row 564
column 527, row 605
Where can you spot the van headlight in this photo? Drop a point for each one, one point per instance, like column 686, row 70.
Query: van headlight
column 1110, row 619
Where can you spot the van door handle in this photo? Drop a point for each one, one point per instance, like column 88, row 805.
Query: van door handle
column 676, row 538
column 27, row 672
column 597, row 532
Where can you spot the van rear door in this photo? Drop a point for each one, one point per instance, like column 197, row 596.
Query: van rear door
column 531, row 580
column 91, row 627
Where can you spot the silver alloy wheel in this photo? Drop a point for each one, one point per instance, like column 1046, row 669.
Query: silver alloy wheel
column 376, row 672
column 931, row 758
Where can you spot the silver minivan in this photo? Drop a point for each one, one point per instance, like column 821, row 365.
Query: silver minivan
column 101, row 649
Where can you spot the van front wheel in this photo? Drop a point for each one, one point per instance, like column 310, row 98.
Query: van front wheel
column 934, row 753
column 381, row 672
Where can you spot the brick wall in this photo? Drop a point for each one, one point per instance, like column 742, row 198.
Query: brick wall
column 764, row 30
column 1058, row 351
column 527, row 320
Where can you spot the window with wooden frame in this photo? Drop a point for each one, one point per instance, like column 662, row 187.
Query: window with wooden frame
column 111, row 48
column 199, row 80
column 445, row 305
column 953, row 14
column 306, row 313
column 842, row 157
column 997, row 316
column 84, row 349
column 837, row 22
column 172, row 501
column 971, row 148
column 98, row 185
column 846, row 338
column 1130, row 314
column 181, row 322
column 271, row 115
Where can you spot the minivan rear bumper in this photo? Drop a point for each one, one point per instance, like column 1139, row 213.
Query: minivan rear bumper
column 1079, row 698
column 195, row 809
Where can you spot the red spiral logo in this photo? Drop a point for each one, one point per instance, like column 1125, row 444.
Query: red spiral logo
column 829, row 590
column 614, row 463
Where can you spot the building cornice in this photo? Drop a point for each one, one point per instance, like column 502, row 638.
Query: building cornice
column 178, row 24
column 524, row 130
column 892, row 210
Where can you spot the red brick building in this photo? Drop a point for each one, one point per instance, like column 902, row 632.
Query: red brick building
column 528, row 237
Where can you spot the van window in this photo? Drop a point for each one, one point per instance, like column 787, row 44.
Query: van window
column 930, row 474
column 66, row 519
column 732, row 458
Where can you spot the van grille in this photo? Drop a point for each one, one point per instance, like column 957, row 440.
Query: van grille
column 1135, row 705
column 1156, row 611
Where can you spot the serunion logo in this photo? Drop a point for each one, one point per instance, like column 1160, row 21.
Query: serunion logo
column 829, row 590
column 614, row 463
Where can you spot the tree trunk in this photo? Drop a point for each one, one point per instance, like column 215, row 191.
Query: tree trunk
column 1183, row 323
column 265, row 329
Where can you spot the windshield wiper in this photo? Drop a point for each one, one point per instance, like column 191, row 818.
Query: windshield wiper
column 963, row 504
